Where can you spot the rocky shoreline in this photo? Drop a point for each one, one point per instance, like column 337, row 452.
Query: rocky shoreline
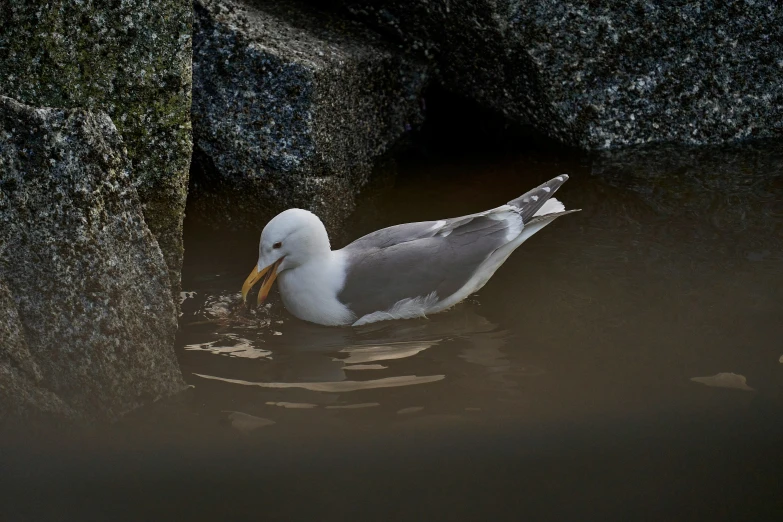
column 288, row 104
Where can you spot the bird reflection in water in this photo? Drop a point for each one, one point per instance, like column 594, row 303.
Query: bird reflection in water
column 294, row 362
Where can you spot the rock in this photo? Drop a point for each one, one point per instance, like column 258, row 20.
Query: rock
column 291, row 107
column 602, row 74
column 90, row 328
column 20, row 395
column 130, row 59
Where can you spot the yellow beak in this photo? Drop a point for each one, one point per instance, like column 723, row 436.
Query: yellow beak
column 266, row 286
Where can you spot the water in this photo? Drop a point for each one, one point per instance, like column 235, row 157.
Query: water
column 563, row 390
column 661, row 278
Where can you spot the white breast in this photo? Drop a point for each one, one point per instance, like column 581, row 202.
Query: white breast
column 310, row 291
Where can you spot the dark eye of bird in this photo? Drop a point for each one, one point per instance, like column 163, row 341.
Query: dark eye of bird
column 277, row 245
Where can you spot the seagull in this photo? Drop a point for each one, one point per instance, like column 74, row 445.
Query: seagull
column 400, row 272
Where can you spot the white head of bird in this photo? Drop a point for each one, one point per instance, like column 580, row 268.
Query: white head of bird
column 290, row 239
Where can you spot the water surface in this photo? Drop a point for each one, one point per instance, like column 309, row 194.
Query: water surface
column 563, row 390
column 672, row 271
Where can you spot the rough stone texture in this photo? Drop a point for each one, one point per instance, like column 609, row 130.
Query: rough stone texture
column 603, row 74
column 20, row 394
column 292, row 106
column 87, row 277
column 130, row 59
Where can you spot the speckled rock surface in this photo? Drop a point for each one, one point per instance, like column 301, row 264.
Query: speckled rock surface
column 603, row 74
column 130, row 59
column 87, row 278
column 20, row 393
column 292, row 106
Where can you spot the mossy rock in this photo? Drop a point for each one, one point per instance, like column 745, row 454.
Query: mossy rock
column 131, row 60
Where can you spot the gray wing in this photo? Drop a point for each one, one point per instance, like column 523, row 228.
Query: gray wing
column 416, row 259
column 386, row 237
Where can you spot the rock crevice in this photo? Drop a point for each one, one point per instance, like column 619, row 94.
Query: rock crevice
column 603, row 74
column 292, row 105
column 129, row 59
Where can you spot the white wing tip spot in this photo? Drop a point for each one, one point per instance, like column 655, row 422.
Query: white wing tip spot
column 560, row 178
column 547, row 189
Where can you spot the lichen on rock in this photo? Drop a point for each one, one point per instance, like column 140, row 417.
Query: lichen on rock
column 130, row 59
column 292, row 106
column 86, row 278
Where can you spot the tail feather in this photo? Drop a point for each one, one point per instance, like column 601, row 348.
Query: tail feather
column 550, row 216
column 537, row 202
column 550, row 206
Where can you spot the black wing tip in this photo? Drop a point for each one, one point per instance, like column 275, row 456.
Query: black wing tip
column 553, row 184
column 532, row 200
column 557, row 181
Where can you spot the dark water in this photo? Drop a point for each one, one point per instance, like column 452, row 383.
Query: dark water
column 562, row 391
